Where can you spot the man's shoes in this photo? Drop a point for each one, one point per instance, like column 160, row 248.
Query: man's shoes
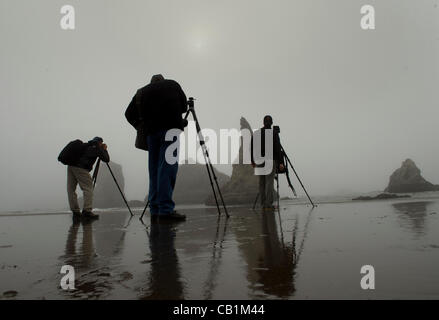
column 89, row 215
column 173, row 216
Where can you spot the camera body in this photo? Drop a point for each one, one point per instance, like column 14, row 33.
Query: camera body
column 190, row 102
column 276, row 129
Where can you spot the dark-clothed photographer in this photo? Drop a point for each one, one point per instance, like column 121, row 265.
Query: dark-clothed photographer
column 154, row 110
column 80, row 158
column 266, row 182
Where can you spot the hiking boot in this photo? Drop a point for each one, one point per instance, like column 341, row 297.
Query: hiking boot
column 173, row 216
column 89, row 215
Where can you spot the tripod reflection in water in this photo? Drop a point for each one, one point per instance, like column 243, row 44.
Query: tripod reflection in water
column 215, row 263
column 271, row 263
column 96, row 254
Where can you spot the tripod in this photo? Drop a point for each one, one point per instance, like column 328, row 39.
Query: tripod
column 277, row 188
column 95, row 173
column 209, row 166
column 95, row 178
column 288, row 177
column 288, row 163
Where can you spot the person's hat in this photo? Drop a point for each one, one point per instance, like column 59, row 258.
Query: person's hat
column 97, row 139
column 157, row 78
column 268, row 120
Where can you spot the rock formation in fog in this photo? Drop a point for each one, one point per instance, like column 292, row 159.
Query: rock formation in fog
column 243, row 185
column 408, row 179
column 193, row 185
column 106, row 194
column 382, row 196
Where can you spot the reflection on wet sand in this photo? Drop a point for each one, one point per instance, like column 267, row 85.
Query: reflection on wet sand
column 215, row 262
column 251, row 255
column 270, row 262
column 81, row 259
column 164, row 277
column 412, row 216
column 270, row 259
column 92, row 260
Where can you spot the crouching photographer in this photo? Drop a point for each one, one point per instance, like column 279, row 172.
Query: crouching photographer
column 155, row 109
column 80, row 158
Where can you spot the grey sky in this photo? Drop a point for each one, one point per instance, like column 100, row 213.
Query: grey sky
column 351, row 104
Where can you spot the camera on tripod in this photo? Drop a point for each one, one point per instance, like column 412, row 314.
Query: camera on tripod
column 190, row 102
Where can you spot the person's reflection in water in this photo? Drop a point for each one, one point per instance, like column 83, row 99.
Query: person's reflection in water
column 164, row 278
column 96, row 274
column 278, row 259
column 83, row 259
column 412, row 215
column 271, row 264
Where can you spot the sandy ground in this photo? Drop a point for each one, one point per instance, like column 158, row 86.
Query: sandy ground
column 294, row 254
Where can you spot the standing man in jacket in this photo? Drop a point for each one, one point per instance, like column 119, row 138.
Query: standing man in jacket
column 80, row 174
column 157, row 108
column 266, row 182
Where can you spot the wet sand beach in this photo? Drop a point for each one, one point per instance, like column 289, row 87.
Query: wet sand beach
column 297, row 254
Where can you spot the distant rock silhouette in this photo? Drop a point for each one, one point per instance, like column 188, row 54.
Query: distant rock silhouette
column 243, row 185
column 408, row 179
column 136, row 203
column 193, row 185
column 382, row 196
column 106, row 194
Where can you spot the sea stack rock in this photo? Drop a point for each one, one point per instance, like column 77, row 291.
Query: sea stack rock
column 106, row 194
column 243, row 185
column 408, row 179
column 193, row 185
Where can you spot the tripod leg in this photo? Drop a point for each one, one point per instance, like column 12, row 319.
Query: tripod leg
column 208, row 163
column 213, row 188
column 210, row 168
column 147, row 204
column 294, row 170
column 95, row 173
column 117, row 184
column 256, row 201
column 219, row 190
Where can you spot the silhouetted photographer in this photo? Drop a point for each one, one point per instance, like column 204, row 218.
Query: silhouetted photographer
column 266, row 182
column 155, row 109
column 80, row 158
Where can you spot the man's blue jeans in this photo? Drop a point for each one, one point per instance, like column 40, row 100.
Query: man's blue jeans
column 162, row 175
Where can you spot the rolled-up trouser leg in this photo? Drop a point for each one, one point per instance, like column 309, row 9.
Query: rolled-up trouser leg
column 71, row 190
column 86, row 184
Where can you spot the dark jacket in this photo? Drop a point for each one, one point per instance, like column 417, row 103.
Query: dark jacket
column 92, row 152
column 277, row 151
column 160, row 107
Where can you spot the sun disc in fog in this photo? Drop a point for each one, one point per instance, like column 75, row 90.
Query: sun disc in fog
column 198, row 42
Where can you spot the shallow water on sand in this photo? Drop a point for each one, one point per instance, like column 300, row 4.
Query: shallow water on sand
column 297, row 254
